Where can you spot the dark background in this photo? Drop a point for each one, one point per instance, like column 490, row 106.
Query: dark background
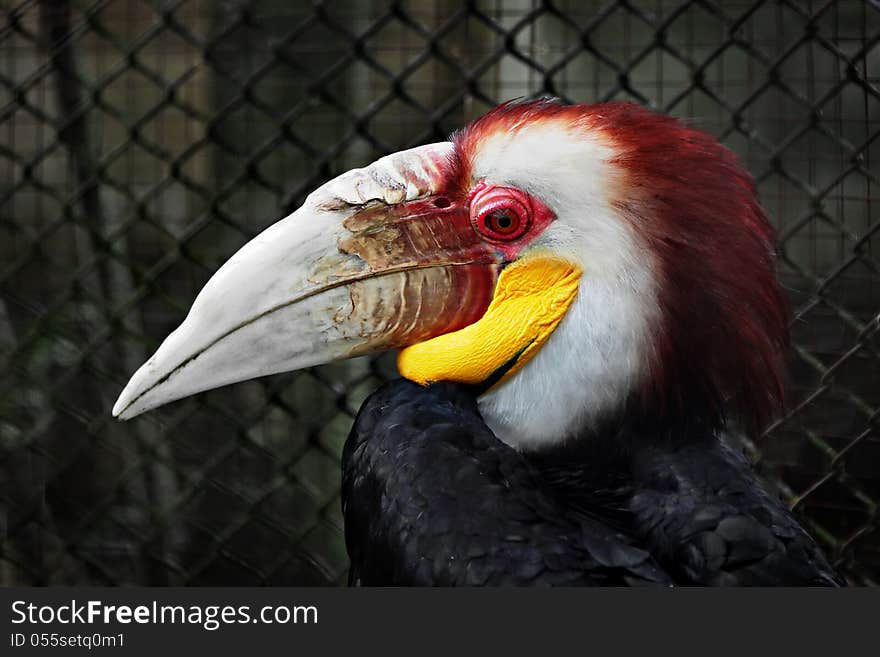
column 141, row 143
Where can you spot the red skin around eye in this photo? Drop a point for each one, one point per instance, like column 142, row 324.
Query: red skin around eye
column 533, row 216
column 489, row 213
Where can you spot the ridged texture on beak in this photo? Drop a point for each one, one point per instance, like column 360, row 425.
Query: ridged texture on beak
column 368, row 263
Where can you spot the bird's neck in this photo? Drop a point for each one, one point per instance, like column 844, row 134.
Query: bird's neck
column 586, row 371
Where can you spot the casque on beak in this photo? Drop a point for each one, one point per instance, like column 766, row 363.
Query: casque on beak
column 378, row 258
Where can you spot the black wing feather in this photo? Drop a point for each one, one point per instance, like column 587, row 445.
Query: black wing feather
column 704, row 514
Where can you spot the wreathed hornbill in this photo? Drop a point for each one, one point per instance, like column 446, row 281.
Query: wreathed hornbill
column 584, row 297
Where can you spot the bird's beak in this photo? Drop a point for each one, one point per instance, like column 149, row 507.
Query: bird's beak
column 379, row 258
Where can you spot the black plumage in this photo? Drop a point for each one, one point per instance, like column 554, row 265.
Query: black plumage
column 432, row 497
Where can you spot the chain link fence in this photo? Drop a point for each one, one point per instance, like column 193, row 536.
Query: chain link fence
column 142, row 142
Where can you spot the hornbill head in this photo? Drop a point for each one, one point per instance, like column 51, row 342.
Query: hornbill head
column 570, row 262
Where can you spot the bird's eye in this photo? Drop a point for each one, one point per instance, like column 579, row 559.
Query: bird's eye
column 502, row 221
column 499, row 215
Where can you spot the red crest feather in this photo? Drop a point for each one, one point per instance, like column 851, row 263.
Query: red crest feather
column 725, row 317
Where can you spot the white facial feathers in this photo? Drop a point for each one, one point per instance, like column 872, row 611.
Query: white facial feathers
column 599, row 353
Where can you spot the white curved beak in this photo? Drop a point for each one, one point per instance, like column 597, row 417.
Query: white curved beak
column 378, row 258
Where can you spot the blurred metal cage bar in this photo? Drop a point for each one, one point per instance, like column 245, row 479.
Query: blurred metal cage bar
column 142, row 142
